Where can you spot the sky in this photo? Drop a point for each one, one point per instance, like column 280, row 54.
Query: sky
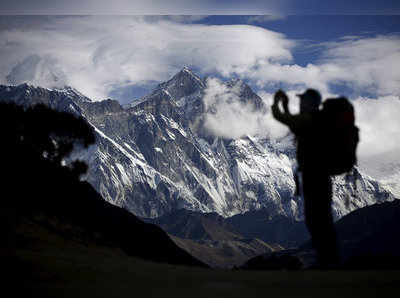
column 198, row 7
column 124, row 57
column 337, row 48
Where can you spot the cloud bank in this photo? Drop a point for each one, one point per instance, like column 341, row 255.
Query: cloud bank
column 231, row 118
column 227, row 116
column 364, row 64
column 379, row 122
column 97, row 54
column 100, row 54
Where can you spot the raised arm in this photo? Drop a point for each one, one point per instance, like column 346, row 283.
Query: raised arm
column 284, row 117
column 299, row 123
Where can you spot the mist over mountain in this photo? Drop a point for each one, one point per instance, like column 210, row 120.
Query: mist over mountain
column 40, row 71
column 171, row 150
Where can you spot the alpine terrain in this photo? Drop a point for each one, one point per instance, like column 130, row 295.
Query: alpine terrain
column 155, row 156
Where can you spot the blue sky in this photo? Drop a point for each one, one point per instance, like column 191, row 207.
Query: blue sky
column 207, row 7
column 318, row 27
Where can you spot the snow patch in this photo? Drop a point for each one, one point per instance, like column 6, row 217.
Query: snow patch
column 171, row 135
column 125, row 178
column 172, row 124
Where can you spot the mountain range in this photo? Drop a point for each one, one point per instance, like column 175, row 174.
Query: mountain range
column 223, row 200
column 155, row 155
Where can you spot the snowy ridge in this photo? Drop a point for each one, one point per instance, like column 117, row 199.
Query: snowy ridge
column 150, row 159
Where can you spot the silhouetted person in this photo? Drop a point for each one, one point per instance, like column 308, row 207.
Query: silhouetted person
column 313, row 176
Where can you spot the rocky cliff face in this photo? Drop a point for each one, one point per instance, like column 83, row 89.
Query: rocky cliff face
column 155, row 156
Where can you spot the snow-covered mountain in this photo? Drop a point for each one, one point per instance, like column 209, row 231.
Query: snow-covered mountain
column 155, row 155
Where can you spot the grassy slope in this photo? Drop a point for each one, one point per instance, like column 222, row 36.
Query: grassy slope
column 209, row 238
column 224, row 254
column 55, row 266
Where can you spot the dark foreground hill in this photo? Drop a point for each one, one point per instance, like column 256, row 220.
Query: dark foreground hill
column 60, row 267
column 370, row 236
column 38, row 191
column 74, row 210
column 368, row 239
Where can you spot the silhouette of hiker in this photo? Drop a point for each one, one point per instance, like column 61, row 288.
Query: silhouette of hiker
column 314, row 179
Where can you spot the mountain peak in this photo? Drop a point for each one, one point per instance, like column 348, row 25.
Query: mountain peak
column 73, row 92
column 187, row 72
column 245, row 93
column 187, row 69
column 184, row 83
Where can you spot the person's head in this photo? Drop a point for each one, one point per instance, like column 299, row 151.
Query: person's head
column 309, row 100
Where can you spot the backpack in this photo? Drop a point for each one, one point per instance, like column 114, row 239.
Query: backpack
column 339, row 135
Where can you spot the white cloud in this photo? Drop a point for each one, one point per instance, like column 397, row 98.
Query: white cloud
column 96, row 53
column 379, row 122
column 229, row 117
column 365, row 64
column 265, row 18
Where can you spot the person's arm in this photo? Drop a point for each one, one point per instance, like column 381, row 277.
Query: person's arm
column 284, row 117
column 296, row 123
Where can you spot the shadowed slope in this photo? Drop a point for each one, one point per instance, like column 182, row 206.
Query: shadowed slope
column 41, row 182
column 368, row 239
column 210, row 238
